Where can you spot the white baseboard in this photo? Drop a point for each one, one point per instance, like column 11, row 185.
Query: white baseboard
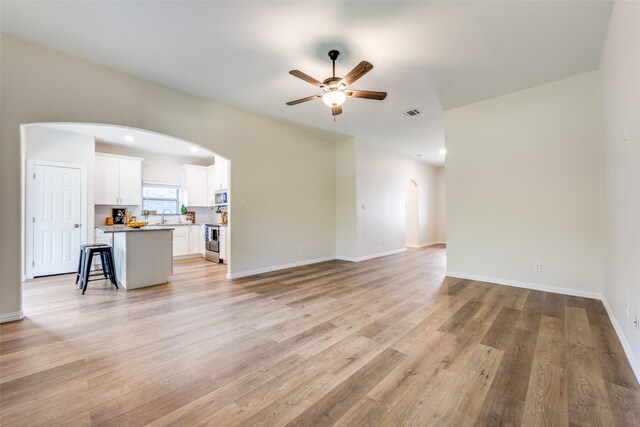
column 372, row 256
column 424, row 245
column 278, row 267
column 528, row 285
column 11, row 317
column 631, row 357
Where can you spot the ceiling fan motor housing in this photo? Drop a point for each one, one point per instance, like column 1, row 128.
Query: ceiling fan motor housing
column 333, row 83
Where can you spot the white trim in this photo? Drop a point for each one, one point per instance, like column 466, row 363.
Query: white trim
column 119, row 156
column 84, row 208
column 278, row 267
column 528, row 285
column 423, row 245
column 631, row 357
column 11, row 317
column 367, row 257
column 346, row 258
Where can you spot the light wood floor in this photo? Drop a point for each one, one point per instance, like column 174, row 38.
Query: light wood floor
column 383, row 342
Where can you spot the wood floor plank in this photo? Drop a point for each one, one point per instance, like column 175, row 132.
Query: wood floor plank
column 577, row 327
column 625, row 404
column 546, row 403
column 339, row 400
column 385, row 342
column 500, row 410
column 588, row 397
column 499, row 335
column 463, row 402
column 512, row 378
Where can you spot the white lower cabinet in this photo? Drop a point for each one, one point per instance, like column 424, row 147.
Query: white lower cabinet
column 180, row 241
column 188, row 240
column 196, row 239
column 224, row 247
column 100, row 237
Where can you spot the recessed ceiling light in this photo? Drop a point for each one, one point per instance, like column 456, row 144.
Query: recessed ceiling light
column 129, row 138
column 193, row 149
column 443, row 152
column 419, row 155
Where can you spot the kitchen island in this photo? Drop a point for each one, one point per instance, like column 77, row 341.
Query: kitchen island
column 142, row 256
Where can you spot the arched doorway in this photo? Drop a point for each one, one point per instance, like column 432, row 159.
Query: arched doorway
column 80, row 154
column 412, row 222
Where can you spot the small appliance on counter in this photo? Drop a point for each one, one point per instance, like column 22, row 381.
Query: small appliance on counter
column 212, row 242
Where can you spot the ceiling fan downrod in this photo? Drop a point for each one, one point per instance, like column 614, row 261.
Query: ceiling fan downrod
column 333, row 55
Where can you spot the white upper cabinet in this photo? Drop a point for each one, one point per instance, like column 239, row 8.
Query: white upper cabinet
column 130, row 182
column 117, row 180
column 223, row 172
column 218, row 178
column 211, row 185
column 106, row 181
column 195, row 185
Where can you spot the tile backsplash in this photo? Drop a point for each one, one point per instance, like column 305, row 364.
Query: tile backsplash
column 204, row 215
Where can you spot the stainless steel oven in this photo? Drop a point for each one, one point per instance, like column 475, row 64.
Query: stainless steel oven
column 212, row 242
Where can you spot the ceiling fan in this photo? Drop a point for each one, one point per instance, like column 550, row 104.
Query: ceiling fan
column 334, row 88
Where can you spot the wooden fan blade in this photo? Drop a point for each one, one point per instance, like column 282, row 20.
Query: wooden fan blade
column 360, row 70
column 336, row 110
column 299, row 74
column 301, row 100
column 367, row 94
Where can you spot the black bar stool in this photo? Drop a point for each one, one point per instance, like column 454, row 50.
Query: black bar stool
column 81, row 260
column 108, row 267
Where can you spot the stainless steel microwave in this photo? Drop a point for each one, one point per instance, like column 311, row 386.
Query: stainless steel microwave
column 222, row 197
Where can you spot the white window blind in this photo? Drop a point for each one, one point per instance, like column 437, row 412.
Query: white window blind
column 160, row 196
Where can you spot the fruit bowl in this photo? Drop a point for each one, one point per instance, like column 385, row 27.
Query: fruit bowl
column 136, row 224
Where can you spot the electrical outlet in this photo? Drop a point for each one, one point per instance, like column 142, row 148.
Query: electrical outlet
column 537, row 267
column 381, row 242
column 364, row 207
column 626, row 310
column 301, row 249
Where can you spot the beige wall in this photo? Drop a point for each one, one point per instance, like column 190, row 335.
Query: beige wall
column 441, row 202
column 523, row 186
column 620, row 100
column 371, row 190
column 381, row 178
column 346, row 217
column 285, row 176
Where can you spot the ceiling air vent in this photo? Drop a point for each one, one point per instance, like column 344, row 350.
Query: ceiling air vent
column 412, row 113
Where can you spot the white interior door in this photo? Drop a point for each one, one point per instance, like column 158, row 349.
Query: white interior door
column 57, row 213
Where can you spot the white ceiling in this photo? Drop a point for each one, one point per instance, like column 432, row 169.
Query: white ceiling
column 427, row 55
column 142, row 140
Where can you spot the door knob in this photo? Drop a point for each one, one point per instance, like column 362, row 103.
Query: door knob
column 76, row 225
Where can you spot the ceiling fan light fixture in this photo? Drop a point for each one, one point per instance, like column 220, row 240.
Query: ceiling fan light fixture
column 334, row 98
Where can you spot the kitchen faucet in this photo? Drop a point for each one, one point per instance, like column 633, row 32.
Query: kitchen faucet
column 164, row 221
